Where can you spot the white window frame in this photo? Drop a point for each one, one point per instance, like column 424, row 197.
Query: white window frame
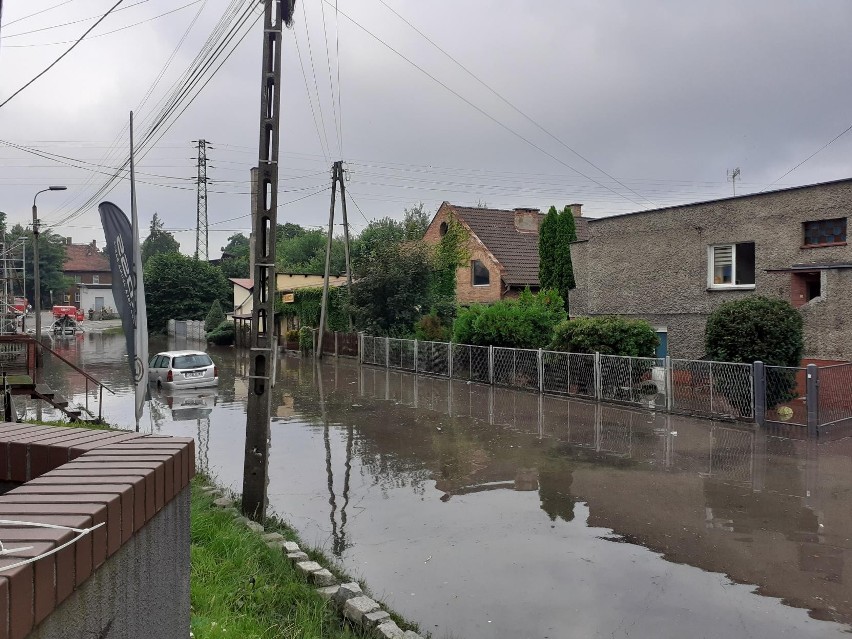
column 96, row 279
column 77, row 297
column 711, row 267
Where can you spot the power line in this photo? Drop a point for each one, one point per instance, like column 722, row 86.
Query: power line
column 314, row 76
column 69, row 50
column 482, row 111
column 106, row 33
column 510, row 104
column 39, row 12
column 330, row 83
column 67, row 24
column 819, row 150
column 310, row 97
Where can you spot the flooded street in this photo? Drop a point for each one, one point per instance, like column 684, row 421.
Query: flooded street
column 483, row 512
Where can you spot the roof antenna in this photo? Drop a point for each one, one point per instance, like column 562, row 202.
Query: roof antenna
column 732, row 176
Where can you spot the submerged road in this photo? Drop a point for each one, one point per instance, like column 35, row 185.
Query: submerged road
column 485, row 512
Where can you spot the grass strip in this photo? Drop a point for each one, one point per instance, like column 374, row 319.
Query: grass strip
column 241, row 588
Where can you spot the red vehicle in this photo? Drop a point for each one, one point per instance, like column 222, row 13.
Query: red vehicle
column 20, row 305
column 71, row 311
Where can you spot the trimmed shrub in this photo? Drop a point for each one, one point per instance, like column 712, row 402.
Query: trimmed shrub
column 214, row 317
column 523, row 323
column 755, row 329
column 223, row 334
column 607, row 335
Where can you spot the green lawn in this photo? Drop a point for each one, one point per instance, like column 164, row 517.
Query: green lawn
column 245, row 590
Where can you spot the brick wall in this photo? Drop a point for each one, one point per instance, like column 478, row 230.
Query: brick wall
column 130, row 485
column 466, row 292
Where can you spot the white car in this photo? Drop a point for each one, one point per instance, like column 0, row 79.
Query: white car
column 182, row 369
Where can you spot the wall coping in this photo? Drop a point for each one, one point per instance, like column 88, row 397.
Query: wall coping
column 112, row 482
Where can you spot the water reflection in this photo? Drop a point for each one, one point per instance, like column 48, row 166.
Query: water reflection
column 471, row 496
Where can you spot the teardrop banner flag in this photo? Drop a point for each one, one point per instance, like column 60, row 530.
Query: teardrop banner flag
column 128, row 288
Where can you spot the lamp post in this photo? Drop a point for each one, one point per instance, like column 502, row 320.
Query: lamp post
column 36, row 273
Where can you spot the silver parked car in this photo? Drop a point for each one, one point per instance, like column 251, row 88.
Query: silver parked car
column 182, row 369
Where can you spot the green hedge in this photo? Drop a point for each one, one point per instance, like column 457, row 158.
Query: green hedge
column 607, row 335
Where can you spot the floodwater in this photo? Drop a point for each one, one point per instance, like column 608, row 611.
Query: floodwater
column 483, row 512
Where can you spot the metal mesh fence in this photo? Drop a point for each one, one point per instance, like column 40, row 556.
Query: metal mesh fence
column 568, row 373
column 401, row 354
column 470, row 363
column 715, row 389
column 433, row 358
column 634, row 380
column 785, row 392
column 516, row 367
column 835, row 394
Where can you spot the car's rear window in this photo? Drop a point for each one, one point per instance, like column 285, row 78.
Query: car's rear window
column 192, row 361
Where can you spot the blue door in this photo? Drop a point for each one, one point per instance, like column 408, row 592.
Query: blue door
column 663, row 346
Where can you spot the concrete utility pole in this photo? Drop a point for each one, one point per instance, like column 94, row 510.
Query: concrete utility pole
column 201, row 228
column 36, row 269
column 336, row 178
column 264, row 348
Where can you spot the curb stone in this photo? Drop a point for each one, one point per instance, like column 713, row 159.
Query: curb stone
column 348, row 598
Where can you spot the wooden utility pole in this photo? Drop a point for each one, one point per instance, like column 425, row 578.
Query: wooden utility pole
column 263, row 346
column 336, row 178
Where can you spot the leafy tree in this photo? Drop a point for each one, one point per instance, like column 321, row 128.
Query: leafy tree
column 547, row 249
column 180, row 287
column 376, row 236
column 523, row 323
column 415, row 222
column 52, row 255
column 214, row 317
column 305, row 253
column 607, row 335
column 158, row 241
column 238, row 245
column 288, row 231
column 393, row 289
column 555, row 269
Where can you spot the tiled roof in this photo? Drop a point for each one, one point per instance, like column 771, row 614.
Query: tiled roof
column 517, row 252
column 85, row 257
column 245, row 282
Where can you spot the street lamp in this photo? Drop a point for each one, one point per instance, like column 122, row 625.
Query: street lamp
column 36, row 273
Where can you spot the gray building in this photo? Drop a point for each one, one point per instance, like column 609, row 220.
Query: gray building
column 673, row 266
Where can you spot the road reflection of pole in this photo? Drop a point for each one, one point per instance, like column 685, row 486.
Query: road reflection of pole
column 338, row 536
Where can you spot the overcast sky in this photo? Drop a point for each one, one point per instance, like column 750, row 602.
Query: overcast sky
column 662, row 97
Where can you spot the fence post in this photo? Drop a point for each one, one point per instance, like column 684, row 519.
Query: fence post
column 335, row 343
column 540, row 380
column 758, row 382
column 712, row 384
column 360, row 346
column 450, row 359
column 812, row 400
column 416, row 354
column 490, row 364
column 387, row 352
column 669, row 384
column 598, row 380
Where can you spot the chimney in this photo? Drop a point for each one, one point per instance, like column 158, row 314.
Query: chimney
column 527, row 220
column 68, row 241
column 577, row 209
column 94, row 244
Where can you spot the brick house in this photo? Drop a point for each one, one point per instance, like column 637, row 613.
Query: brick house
column 502, row 247
column 89, row 269
column 673, row 266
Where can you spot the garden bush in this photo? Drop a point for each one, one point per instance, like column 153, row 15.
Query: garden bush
column 523, row 323
column 223, row 334
column 607, row 335
column 431, row 328
column 214, row 317
column 755, row 329
column 306, row 339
